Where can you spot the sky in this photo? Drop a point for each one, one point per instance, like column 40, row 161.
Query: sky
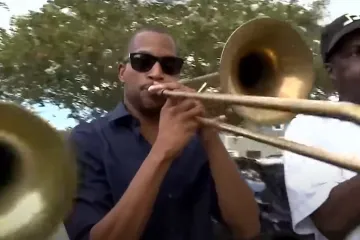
column 58, row 117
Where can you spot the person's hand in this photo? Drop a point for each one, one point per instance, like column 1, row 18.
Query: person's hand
column 173, row 85
column 205, row 131
column 158, row 87
column 177, row 124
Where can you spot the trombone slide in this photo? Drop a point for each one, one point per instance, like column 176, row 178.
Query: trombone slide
column 340, row 110
column 349, row 163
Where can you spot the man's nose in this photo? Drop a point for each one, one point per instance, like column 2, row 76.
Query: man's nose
column 156, row 73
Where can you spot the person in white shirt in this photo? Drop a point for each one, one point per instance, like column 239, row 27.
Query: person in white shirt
column 324, row 199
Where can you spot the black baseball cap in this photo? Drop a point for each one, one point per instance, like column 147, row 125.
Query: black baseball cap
column 335, row 31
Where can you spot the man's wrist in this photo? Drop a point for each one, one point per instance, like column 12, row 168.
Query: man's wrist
column 161, row 153
column 209, row 136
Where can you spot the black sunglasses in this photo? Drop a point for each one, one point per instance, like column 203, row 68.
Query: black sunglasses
column 144, row 62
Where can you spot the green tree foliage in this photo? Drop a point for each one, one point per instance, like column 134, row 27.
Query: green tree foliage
column 68, row 53
column 4, row 6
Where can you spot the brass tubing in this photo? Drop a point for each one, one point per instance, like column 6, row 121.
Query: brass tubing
column 267, row 81
column 340, row 110
column 320, row 108
column 347, row 162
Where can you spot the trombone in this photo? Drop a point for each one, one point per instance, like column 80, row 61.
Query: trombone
column 37, row 176
column 266, row 74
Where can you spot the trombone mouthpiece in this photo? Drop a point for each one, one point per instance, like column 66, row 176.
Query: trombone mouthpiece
column 161, row 92
column 157, row 89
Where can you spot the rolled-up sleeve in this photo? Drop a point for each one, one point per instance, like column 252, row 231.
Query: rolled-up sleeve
column 93, row 200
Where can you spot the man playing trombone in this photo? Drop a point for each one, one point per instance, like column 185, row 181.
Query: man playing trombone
column 148, row 170
column 324, row 199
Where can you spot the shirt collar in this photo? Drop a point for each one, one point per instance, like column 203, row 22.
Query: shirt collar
column 119, row 113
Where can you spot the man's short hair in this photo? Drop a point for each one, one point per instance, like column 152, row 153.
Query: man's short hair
column 155, row 29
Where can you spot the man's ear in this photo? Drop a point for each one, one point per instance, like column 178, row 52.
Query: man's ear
column 121, row 70
column 330, row 70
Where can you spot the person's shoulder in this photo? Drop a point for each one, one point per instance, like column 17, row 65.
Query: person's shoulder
column 302, row 120
column 311, row 131
column 308, row 124
column 303, row 125
column 87, row 130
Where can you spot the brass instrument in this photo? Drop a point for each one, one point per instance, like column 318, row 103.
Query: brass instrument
column 37, row 176
column 266, row 74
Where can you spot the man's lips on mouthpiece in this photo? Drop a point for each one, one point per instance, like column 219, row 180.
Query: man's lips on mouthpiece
column 147, row 86
column 156, row 88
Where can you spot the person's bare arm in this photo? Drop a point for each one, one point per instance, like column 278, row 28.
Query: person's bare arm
column 340, row 213
column 130, row 215
column 127, row 220
column 236, row 200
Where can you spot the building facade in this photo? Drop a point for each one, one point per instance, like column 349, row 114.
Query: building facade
column 239, row 146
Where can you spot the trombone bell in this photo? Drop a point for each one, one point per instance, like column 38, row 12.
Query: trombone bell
column 266, row 57
column 37, row 176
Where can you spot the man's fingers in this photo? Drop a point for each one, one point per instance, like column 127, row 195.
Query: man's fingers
column 158, row 87
column 185, row 105
column 192, row 125
column 196, row 111
column 168, row 103
column 221, row 118
column 188, row 104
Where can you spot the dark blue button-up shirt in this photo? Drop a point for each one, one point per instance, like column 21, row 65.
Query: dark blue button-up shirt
column 110, row 151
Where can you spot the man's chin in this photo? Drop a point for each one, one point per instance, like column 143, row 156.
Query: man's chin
column 151, row 104
column 153, row 107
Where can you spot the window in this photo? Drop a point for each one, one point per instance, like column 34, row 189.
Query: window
column 278, row 127
column 253, row 154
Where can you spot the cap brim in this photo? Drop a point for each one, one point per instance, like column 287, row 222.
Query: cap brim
column 346, row 30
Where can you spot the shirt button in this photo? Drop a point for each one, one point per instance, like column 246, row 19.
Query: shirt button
column 170, row 196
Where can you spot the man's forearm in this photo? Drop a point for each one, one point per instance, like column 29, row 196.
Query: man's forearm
column 130, row 215
column 236, row 200
column 340, row 213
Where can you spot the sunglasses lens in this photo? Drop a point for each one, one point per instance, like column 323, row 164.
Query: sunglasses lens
column 142, row 62
column 171, row 65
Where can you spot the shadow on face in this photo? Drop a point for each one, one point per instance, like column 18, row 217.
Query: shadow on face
column 136, row 83
column 345, row 67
